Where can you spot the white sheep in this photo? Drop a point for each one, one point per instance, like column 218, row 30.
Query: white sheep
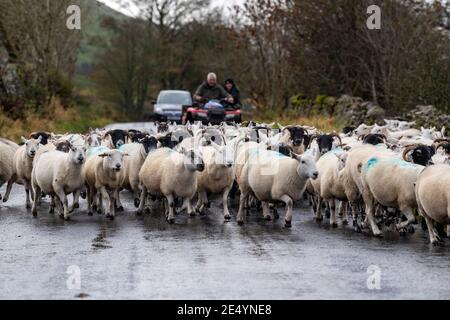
column 271, row 177
column 389, row 181
column 58, row 173
column 217, row 177
column 23, row 165
column 170, row 174
column 352, row 178
column 103, row 172
column 433, row 197
column 7, row 151
column 329, row 187
column 132, row 165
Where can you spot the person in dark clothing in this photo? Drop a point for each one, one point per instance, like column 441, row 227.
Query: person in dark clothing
column 231, row 88
column 211, row 90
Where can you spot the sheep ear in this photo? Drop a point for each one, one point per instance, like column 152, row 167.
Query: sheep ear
column 23, row 139
column 103, row 155
column 39, row 139
column 126, row 154
column 295, row 156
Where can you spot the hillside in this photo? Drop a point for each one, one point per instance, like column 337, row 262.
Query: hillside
column 92, row 32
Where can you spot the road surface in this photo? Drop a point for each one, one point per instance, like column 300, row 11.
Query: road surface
column 205, row 258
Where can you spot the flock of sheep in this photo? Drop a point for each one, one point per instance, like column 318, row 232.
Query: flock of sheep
column 380, row 175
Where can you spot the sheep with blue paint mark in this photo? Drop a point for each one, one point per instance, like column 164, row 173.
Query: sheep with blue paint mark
column 389, row 182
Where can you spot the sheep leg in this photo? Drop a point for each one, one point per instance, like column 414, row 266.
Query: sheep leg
column 370, row 218
column 226, row 212
column 188, row 204
column 112, row 203
column 89, row 200
column 28, row 192
column 266, row 211
column 106, row 201
column 171, row 204
column 242, row 201
column 409, row 216
column 201, row 203
column 434, row 237
column 8, row 189
column 344, row 210
column 63, row 198
column 142, row 199
column 117, row 202
column 332, row 206
column 289, row 204
column 51, row 210
column 319, row 216
column 37, row 195
column 76, row 200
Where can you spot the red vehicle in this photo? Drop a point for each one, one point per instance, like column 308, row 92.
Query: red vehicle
column 214, row 112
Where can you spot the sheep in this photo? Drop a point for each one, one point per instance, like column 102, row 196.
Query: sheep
column 390, row 182
column 104, row 172
column 23, row 165
column 353, row 184
column 433, row 198
column 363, row 130
column 395, row 136
column 275, row 178
column 113, row 139
column 294, row 136
column 7, row 151
column 329, row 187
column 58, row 173
column 132, row 165
column 217, row 177
column 168, row 173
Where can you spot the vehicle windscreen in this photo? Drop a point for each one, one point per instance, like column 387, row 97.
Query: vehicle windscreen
column 178, row 98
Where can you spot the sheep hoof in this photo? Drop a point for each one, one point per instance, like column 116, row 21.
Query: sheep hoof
column 137, row 202
column 28, row 206
column 34, row 214
column 139, row 212
column 61, row 216
column 76, row 206
column 67, row 218
column 111, row 218
column 99, row 211
column 5, row 199
column 334, row 225
column 276, row 216
column 90, row 213
column 51, row 211
column 147, row 210
column 201, row 213
column 241, row 223
column 83, row 195
column 345, row 222
column 193, row 214
column 268, row 218
column 227, row 217
column 120, row 209
column 319, row 219
column 171, row 220
column 208, row 205
column 287, row 224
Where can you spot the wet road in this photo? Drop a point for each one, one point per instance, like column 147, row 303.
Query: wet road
column 205, row 258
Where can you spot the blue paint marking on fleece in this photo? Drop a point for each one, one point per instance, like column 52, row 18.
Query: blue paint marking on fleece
column 257, row 152
column 94, row 151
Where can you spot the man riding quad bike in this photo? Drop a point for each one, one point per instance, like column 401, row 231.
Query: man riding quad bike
column 212, row 104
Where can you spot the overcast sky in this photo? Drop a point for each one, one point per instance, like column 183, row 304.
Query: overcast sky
column 132, row 10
